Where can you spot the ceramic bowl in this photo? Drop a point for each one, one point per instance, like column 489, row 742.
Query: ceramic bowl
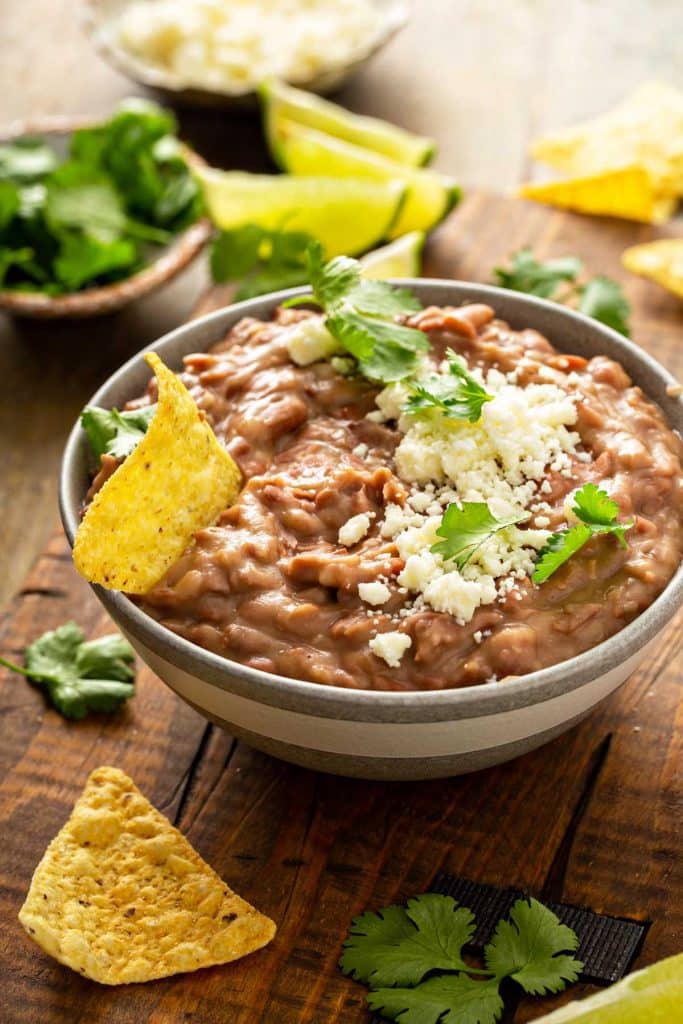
column 100, row 18
column 379, row 734
column 169, row 261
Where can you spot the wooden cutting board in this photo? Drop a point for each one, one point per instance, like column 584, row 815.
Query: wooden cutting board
column 592, row 818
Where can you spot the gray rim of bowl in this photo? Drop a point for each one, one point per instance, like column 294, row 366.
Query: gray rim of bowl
column 374, row 705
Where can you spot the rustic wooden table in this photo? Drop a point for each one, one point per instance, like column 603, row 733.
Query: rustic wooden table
column 593, row 818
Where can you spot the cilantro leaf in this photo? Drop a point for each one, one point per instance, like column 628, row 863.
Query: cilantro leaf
column 558, row 549
column 529, row 946
column 604, row 300
column 598, row 514
column 371, row 951
column 527, row 274
column 465, row 528
column 80, row 676
column 80, row 198
column 83, row 259
column 26, row 160
column 464, row 402
column 262, row 260
column 360, row 314
column 111, row 432
column 450, row 999
column 398, row 947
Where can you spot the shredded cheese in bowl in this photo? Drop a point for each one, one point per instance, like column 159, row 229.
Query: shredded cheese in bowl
column 233, row 45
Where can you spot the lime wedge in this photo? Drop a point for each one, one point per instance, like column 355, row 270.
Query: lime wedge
column 279, row 100
column 348, row 216
column 400, row 258
column 651, row 996
column 307, row 152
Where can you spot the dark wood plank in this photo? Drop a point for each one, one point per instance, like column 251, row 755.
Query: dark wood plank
column 591, row 818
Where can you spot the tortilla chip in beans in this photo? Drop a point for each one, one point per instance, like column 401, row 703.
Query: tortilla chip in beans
column 661, row 261
column 629, row 192
column 175, row 482
column 645, row 130
column 120, row 895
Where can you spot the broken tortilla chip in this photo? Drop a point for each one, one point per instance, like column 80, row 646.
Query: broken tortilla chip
column 175, row 482
column 629, row 192
column 645, row 130
column 661, row 261
column 120, row 896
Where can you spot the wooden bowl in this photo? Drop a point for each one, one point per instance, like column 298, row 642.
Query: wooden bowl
column 100, row 18
column 172, row 258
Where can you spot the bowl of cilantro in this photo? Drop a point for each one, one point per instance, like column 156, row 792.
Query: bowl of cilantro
column 95, row 215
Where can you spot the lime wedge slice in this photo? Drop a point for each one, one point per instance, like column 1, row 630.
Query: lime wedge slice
column 651, row 996
column 400, row 258
column 307, row 152
column 348, row 216
column 279, row 100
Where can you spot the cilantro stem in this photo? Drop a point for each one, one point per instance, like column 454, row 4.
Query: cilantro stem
column 16, row 668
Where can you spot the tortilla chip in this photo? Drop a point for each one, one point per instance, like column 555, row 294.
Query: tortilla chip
column 629, row 192
column 120, row 895
column 646, row 130
column 661, row 261
column 174, row 483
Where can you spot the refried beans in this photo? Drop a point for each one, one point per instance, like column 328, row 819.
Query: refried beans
column 271, row 586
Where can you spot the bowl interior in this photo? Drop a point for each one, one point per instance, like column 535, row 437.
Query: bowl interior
column 164, row 261
column 568, row 331
column 101, row 16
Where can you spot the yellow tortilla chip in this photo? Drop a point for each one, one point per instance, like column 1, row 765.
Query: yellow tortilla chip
column 173, row 483
column 628, row 192
column 661, row 261
column 646, row 129
column 120, row 895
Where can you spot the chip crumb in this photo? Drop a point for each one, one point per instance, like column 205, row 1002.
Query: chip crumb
column 120, row 896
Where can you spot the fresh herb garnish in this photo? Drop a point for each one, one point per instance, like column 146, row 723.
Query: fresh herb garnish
column 462, row 401
column 598, row 514
column 598, row 297
column 261, row 260
column 78, row 675
column 527, row 274
column 465, row 528
column 361, row 315
column 111, row 432
column 604, row 300
column 89, row 219
column 394, row 950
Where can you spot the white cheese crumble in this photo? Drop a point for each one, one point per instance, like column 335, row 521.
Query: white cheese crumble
column 391, row 647
column 233, row 45
column 503, row 460
column 309, row 341
column 354, row 529
column 374, row 593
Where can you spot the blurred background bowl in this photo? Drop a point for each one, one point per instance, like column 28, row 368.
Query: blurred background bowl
column 101, row 17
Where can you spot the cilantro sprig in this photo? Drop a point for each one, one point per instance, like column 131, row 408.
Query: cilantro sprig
column 463, row 400
column 465, row 528
column 361, row 315
column 558, row 279
column 598, row 514
column 261, row 260
column 397, row 951
column 79, row 676
column 111, row 432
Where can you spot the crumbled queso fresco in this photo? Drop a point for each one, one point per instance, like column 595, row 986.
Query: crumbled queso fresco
column 502, row 460
column 235, row 45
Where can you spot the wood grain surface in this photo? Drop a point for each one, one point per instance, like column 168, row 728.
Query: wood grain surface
column 482, row 77
column 592, row 818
